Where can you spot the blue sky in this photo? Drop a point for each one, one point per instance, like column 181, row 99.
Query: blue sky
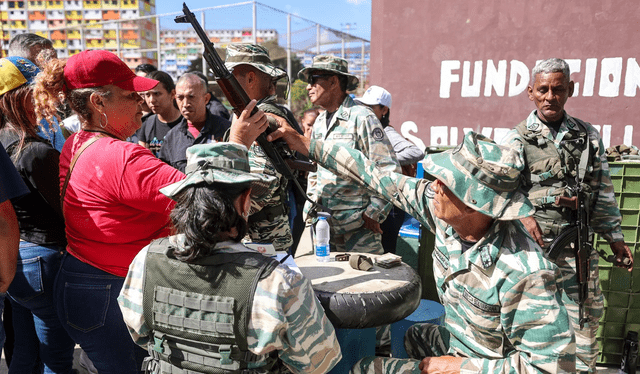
column 332, row 13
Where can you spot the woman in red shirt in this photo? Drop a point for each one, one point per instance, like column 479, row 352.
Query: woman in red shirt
column 110, row 198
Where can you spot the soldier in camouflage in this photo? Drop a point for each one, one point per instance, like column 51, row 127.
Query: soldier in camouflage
column 357, row 213
column 252, row 67
column 504, row 310
column 557, row 148
column 201, row 302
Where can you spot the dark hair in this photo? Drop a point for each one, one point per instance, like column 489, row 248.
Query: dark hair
column 164, row 78
column 314, row 110
column 145, row 68
column 21, row 44
column 385, row 118
column 204, row 215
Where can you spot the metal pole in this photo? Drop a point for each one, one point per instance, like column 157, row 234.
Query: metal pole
column 204, row 62
column 117, row 40
column 158, row 43
column 342, row 55
column 317, row 38
column 255, row 24
column 362, row 68
column 289, row 54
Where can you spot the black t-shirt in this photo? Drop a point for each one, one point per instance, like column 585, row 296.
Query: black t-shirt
column 39, row 212
column 153, row 132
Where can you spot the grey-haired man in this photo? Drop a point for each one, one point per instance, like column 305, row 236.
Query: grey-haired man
column 503, row 305
column 561, row 151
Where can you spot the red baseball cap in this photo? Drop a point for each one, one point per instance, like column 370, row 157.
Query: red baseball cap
column 97, row 68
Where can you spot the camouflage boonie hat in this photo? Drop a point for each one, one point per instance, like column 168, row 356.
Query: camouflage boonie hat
column 484, row 175
column 333, row 64
column 254, row 55
column 224, row 163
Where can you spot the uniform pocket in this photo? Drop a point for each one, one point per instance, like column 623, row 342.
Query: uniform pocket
column 27, row 283
column 484, row 320
column 86, row 305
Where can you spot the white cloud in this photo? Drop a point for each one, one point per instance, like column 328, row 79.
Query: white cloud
column 357, row 2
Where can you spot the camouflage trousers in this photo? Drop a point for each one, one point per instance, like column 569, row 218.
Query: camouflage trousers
column 361, row 240
column 275, row 231
column 586, row 344
column 421, row 340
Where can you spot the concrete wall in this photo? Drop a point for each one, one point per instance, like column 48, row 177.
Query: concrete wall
column 460, row 64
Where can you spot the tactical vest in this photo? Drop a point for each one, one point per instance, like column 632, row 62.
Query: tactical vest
column 552, row 170
column 199, row 312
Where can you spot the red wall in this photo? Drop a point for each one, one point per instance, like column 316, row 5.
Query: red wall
column 419, row 49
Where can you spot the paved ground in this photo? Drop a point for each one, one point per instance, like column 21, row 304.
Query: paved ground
column 304, row 248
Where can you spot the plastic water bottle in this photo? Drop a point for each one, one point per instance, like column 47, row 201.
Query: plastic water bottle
column 322, row 238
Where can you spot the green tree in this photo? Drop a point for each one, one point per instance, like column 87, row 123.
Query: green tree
column 299, row 98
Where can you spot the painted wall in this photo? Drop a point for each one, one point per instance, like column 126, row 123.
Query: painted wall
column 457, row 65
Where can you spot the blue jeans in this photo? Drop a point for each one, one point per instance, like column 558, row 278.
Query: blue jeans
column 35, row 321
column 88, row 308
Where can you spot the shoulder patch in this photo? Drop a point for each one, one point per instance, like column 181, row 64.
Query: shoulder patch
column 377, row 134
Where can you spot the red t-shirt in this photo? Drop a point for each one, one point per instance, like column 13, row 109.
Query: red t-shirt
column 112, row 206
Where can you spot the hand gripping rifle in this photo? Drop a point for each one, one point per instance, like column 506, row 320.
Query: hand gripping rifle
column 239, row 99
column 577, row 233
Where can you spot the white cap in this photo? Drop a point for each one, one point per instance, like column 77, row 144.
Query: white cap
column 376, row 95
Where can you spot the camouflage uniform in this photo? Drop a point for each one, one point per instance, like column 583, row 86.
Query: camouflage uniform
column 503, row 309
column 356, row 127
column 285, row 317
column 269, row 219
column 605, row 220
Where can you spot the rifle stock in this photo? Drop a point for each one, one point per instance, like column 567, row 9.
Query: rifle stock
column 239, row 100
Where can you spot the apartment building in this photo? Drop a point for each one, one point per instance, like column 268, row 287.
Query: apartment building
column 76, row 25
column 180, row 47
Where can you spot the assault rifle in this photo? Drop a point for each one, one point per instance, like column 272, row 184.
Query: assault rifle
column 577, row 233
column 277, row 152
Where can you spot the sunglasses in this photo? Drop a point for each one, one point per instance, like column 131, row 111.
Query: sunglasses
column 314, row 78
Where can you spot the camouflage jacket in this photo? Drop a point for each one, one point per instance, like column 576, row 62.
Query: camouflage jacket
column 285, row 317
column 352, row 126
column 269, row 219
column 501, row 296
column 605, row 215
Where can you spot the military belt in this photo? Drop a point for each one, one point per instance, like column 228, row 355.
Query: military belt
column 268, row 214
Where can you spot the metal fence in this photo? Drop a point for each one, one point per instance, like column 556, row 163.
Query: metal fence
column 129, row 29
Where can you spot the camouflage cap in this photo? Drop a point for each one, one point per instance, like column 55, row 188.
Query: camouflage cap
column 254, row 55
column 333, row 64
column 225, row 163
column 484, row 175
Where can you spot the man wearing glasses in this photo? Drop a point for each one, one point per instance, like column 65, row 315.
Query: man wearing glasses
column 356, row 216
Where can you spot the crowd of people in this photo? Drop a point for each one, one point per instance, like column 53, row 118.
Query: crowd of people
column 132, row 237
